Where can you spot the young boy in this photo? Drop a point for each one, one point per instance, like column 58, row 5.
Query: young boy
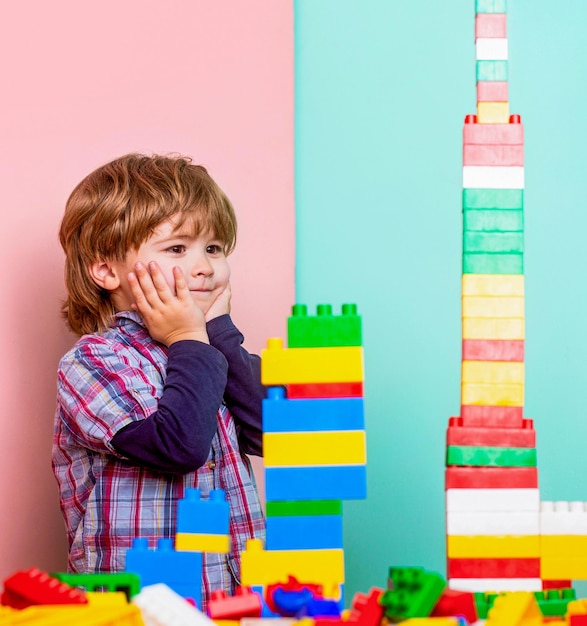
column 157, row 395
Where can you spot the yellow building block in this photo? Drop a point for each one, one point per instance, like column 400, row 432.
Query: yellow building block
column 314, row 448
column 515, row 608
column 282, row 366
column 493, row 372
column 563, row 546
column 431, row 621
column 492, row 395
column 264, row 567
column 196, row 542
column 577, row 607
column 493, row 285
column 493, row 328
column 493, row 306
column 78, row 615
column 493, row 113
column 498, row 546
column 553, row 568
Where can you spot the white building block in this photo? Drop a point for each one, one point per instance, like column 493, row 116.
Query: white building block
column 161, row 606
column 494, row 500
column 490, row 523
column 491, row 49
column 493, row 177
column 563, row 518
column 495, row 584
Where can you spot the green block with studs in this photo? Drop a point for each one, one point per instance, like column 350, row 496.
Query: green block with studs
column 493, row 263
column 479, row 456
column 489, row 220
column 506, row 199
column 509, row 242
column 324, row 330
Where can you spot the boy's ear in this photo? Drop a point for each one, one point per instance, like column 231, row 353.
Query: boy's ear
column 105, row 275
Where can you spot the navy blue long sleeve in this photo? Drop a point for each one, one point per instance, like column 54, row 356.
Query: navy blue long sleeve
column 244, row 392
column 177, row 437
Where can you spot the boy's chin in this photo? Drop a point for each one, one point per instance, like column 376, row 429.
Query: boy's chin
column 203, row 303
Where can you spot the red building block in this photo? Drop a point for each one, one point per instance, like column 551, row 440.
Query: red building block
column 32, row 587
column 491, row 478
column 490, row 25
column 493, row 350
column 493, row 154
column 492, row 134
column 325, row 390
column 492, row 91
column 459, row 435
column 245, row 603
column 493, row 568
column 494, row 416
column 366, row 610
column 456, row 603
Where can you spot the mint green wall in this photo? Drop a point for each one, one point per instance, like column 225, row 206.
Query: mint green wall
column 382, row 88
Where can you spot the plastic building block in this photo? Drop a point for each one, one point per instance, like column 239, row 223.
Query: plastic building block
column 264, row 567
column 492, row 372
column 181, row 571
column 161, row 606
column 563, row 518
column 490, row 478
column 331, row 447
column 493, row 306
column 294, row 585
column 76, row 615
column 494, row 135
column 491, row 49
column 492, row 70
column 32, row 586
column 209, row 517
column 313, row 532
column 310, row 415
column 505, row 199
column 413, row 592
column 303, row 507
column 493, row 113
column 552, row 567
column 564, row 546
column 245, row 603
column 493, row 350
column 493, row 263
column 490, row 457
column 280, row 366
column 492, row 91
column 493, row 177
column 482, row 523
column 552, row 603
column 515, row 609
column 459, row 435
column 325, row 390
column 342, row 482
column 493, row 154
column 494, row 568
column 197, row 542
column 491, row 584
column 366, row 610
column 499, row 546
column 291, row 602
column 493, row 219
column 493, row 285
column 495, row 416
column 116, row 581
column 492, row 25
column 493, row 500
column 453, row 602
column 490, row 6
column 493, row 242
column 324, row 329
column 505, row 394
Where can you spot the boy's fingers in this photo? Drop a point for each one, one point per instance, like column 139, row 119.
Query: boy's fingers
column 159, row 282
column 145, row 285
column 181, row 285
column 137, row 291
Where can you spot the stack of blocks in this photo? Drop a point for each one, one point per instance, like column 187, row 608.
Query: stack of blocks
column 492, row 497
column 314, row 448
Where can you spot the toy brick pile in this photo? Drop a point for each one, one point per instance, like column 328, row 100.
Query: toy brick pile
column 414, row 597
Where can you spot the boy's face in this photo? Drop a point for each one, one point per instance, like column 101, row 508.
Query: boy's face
column 201, row 259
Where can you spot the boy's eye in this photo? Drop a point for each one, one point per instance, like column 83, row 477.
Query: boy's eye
column 213, row 249
column 176, row 249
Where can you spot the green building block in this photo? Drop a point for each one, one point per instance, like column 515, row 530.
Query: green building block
column 493, row 198
column 552, row 602
column 490, row 6
column 413, row 592
column 115, row 581
column 480, row 456
column 303, row 507
column 474, row 241
column 492, row 71
column 493, row 263
column 323, row 330
column 493, row 220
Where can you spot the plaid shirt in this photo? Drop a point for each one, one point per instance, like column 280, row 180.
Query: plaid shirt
column 106, row 500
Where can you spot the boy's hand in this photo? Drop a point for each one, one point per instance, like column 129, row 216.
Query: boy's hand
column 169, row 316
column 220, row 306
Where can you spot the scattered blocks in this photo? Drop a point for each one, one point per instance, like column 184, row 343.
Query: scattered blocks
column 245, row 603
column 116, row 581
column 34, row 587
column 161, row 606
column 413, row 593
column 514, row 609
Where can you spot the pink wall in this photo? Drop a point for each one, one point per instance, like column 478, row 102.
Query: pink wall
column 83, row 84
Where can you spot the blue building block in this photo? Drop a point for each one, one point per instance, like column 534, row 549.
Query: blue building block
column 304, row 532
column 205, row 517
column 328, row 482
column 310, row 415
column 181, row 571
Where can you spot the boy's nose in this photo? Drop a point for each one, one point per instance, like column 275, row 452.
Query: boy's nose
column 202, row 267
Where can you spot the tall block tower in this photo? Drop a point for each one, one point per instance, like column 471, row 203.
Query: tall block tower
column 492, row 497
column 313, row 446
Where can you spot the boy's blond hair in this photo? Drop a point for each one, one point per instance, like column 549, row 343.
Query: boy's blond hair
column 117, row 207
